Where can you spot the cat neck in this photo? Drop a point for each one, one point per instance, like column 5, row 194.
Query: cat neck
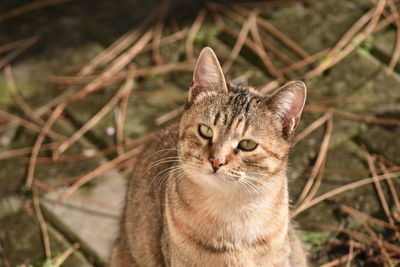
column 242, row 217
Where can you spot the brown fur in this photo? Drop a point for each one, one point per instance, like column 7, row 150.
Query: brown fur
column 181, row 212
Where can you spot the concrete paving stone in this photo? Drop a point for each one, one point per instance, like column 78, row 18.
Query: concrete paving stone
column 322, row 22
column 383, row 141
column 91, row 215
column 344, row 79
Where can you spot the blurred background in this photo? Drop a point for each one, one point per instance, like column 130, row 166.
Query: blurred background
column 83, row 83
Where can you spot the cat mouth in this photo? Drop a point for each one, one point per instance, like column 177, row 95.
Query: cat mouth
column 219, row 176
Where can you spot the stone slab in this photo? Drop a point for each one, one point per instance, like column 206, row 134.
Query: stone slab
column 91, row 215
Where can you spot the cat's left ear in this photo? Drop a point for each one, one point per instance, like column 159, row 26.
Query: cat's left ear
column 288, row 103
column 208, row 75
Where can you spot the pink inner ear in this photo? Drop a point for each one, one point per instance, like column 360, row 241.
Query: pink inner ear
column 208, row 75
column 297, row 107
column 288, row 103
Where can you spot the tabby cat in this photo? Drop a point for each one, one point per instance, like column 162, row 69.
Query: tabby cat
column 212, row 191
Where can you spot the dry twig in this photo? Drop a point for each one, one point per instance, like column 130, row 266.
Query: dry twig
column 275, row 32
column 312, row 127
column 108, row 166
column 238, row 45
column 329, row 62
column 263, row 54
column 95, row 119
column 198, row 22
column 157, row 32
column 32, row 6
column 361, row 215
column 29, row 125
column 396, row 52
column 25, row 44
column 121, row 116
column 42, row 223
column 18, row 98
column 60, row 259
column 392, row 189
column 314, row 181
column 371, row 165
column 338, row 261
column 39, row 141
column 352, row 116
column 345, row 188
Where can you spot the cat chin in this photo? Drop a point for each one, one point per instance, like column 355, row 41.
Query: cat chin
column 211, row 180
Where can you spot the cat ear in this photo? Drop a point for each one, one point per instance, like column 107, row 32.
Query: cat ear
column 288, row 103
column 208, row 75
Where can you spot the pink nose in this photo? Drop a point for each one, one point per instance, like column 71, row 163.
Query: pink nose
column 216, row 163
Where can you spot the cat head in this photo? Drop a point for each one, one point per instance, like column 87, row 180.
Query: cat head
column 234, row 137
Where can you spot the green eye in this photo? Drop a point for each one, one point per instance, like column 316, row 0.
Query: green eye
column 247, row 145
column 205, row 131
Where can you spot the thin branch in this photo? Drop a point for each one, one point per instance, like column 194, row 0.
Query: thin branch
column 269, row 87
column 198, row 22
column 30, row 7
column 345, row 188
column 338, row 261
column 39, row 141
column 16, row 44
column 392, row 188
column 313, row 182
column 105, row 167
column 60, row 259
column 42, row 222
column 351, row 253
column 118, row 46
column 381, row 195
column 23, row 46
column 304, row 62
column 312, row 127
column 272, row 3
column 121, row 116
column 238, row 45
column 115, row 67
column 361, row 215
column 275, row 32
column 157, row 32
column 169, row 116
column 23, row 151
column 352, row 116
column 356, row 235
column 396, row 52
column 18, row 98
column 334, row 59
column 240, row 20
column 88, row 201
column 349, row 35
column 263, row 54
column 95, row 119
column 122, row 75
column 29, row 125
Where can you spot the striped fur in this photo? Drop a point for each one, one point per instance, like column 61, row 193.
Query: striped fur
column 181, row 212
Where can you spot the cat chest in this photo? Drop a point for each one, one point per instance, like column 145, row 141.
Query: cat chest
column 192, row 242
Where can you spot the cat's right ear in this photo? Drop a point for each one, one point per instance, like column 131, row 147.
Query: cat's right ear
column 208, row 75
